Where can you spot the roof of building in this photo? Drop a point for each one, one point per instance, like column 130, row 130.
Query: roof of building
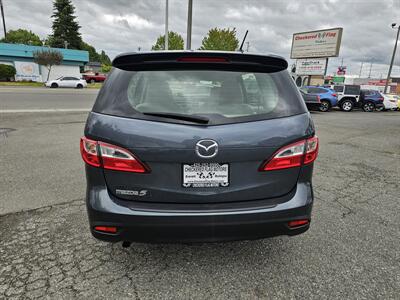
column 26, row 51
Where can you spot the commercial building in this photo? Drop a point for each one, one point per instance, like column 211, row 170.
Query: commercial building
column 21, row 57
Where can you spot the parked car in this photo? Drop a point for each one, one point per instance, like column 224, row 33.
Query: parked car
column 348, row 96
column 94, row 77
column 390, row 101
column 371, row 100
column 327, row 96
column 178, row 153
column 67, row 81
column 313, row 102
column 351, row 96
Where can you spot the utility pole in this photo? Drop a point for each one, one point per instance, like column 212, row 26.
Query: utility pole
column 359, row 75
column 370, row 68
column 166, row 37
column 4, row 20
column 393, row 55
column 189, row 26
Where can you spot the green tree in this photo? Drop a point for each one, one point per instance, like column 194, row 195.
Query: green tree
column 48, row 58
column 22, row 36
column 65, row 27
column 7, row 72
column 175, row 42
column 105, row 68
column 104, row 59
column 220, row 39
column 93, row 55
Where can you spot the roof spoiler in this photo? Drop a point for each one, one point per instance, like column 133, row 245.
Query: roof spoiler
column 198, row 60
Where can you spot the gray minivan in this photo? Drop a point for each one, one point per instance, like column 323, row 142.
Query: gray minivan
column 186, row 146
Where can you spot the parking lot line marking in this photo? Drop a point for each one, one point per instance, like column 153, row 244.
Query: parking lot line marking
column 6, row 111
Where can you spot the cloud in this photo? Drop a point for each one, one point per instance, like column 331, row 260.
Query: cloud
column 124, row 25
column 131, row 21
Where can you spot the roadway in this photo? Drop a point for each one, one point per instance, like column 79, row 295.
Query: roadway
column 350, row 252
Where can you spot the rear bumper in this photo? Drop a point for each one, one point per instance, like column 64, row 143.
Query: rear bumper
column 313, row 106
column 199, row 228
column 144, row 225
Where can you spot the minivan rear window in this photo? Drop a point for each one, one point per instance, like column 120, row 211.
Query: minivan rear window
column 220, row 96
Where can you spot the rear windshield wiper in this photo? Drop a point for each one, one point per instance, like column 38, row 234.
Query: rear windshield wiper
column 183, row 117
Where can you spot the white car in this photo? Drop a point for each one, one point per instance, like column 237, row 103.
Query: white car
column 390, row 101
column 68, row 82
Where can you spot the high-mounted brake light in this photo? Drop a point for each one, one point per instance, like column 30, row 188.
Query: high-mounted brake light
column 107, row 156
column 202, row 59
column 293, row 155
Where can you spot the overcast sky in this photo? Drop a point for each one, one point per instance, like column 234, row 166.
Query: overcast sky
column 124, row 25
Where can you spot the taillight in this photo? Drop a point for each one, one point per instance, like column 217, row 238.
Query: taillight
column 311, row 150
column 117, row 158
column 89, row 152
column 318, row 98
column 293, row 155
column 107, row 156
column 334, row 95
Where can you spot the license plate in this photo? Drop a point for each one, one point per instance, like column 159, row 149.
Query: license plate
column 205, row 175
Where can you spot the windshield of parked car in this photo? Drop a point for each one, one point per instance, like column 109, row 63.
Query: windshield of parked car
column 221, row 96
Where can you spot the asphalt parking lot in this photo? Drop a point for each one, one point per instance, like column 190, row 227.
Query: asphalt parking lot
column 46, row 250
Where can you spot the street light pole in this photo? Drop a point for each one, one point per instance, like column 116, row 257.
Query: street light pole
column 393, row 55
column 4, row 20
column 189, row 26
column 166, row 36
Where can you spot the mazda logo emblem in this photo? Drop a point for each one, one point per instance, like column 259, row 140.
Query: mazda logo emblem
column 206, row 148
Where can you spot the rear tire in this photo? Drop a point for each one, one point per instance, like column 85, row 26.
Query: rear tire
column 54, row 85
column 79, row 86
column 368, row 107
column 347, row 105
column 325, row 106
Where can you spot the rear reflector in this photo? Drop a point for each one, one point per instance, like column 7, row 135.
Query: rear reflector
column 293, row 155
column 297, row 223
column 108, row 229
column 202, row 59
column 107, row 156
